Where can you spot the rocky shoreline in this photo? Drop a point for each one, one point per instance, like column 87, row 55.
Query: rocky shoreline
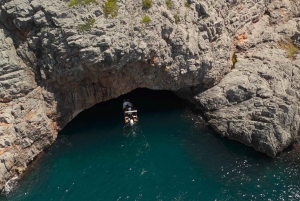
column 236, row 60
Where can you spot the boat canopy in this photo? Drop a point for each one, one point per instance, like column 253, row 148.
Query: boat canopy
column 127, row 103
column 131, row 111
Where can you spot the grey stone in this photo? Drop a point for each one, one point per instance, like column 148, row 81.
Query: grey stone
column 40, row 19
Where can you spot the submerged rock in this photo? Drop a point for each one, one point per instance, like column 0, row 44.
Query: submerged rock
column 57, row 60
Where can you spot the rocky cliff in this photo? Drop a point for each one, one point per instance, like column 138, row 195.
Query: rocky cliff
column 237, row 60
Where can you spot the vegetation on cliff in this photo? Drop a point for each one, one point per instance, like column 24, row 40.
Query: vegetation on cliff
column 234, row 60
column 289, row 47
column 169, row 4
column 76, row 2
column 146, row 19
column 187, row 4
column 110, row 7
column 176, row 18
column 147, row 4
column 87, row 26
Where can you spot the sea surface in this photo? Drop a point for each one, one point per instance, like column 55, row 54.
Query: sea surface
column 167, row 155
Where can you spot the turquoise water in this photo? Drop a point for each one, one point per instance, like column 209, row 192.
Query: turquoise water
column 166, row 156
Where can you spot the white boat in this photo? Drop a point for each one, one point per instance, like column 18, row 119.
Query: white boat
column 130, row 113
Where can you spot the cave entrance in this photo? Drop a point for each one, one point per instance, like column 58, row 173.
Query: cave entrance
column 147, row 102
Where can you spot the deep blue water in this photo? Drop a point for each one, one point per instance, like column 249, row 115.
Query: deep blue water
column 166, row 156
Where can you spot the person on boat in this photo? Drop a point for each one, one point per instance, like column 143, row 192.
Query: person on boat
column 134, row 117
column 126, row 119
column 126, row 104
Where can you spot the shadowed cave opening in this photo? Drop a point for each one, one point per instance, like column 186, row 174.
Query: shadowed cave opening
column 145, row 100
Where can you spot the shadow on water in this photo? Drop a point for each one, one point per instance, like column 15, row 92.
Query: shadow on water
column 145, row 100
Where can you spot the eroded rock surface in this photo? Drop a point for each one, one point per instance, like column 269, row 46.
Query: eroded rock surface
column 50, row 70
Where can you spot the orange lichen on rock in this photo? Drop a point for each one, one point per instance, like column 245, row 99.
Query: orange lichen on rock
column 3, row 150
column 54, row 129
column 3, row 124
column 31, row 114
column 19, row 169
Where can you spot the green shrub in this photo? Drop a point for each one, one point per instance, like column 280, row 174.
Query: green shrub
column 176, row 17
column 206, row 16
column 146, row 19
column 76, row 2
column 169, row 3
column 187, row 4
column 234, row 60
column 147, row 4
column 91, row 1
column 110, row 8
column 87, row 26
column 91, row 21
column 289, row 47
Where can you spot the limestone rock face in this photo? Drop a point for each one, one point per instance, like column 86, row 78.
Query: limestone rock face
column 53, row 66
column 25, row 128
column 257, row 103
